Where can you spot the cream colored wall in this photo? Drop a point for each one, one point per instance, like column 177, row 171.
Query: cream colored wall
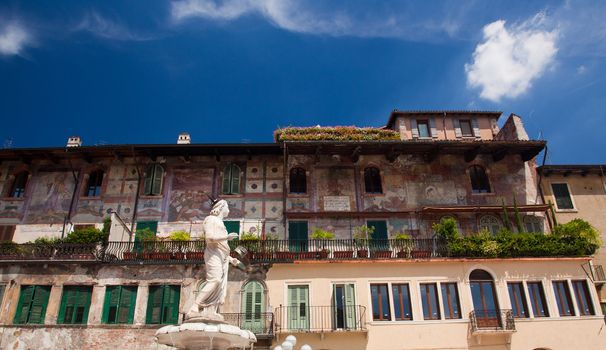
column 453, row 334
column 589, row 199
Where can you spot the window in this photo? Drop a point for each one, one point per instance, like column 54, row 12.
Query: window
column 253, row 306
column 372, row 180
column 429, row 298
column 93, row 187
column 75, row 303
column 401, row 301
column 344, row 304
column 380, row 302
column 581, row 294
column 119, row 306
column 479, row 180
column 231, row 179
column 7, row 232
column 450, row 300
column 163, row 304
column 423, row 127
column 517, row 299
column 298, row 180
column 533, row 223
column 562, row 295
column 537, row 299
column 18, row 188
column 31, row 308
column 490, row 223
column 154, row 175
column 2, row 289
column 562, row 196
column 298, row 307
column 466, row 129
column 484, row 297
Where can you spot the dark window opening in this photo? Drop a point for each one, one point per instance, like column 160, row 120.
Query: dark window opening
column 581, row 293
column 298, row 181
column 429, row 298
column 517, row 299
column 479, row 180
column 423, row 127
column 562, row 196
column 450, row 301
column 562, row 295
column 401, row 302
column 466, row 129
column 93, row 187
column 231, row 179
column 372, row 180
column 380, row 302
column 537, row 299
column 18, row 188
column 154, row 176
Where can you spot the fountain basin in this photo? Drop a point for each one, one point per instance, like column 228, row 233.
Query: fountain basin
column 205, row 336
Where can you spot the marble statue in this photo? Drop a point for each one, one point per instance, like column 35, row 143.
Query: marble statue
column 216, row 261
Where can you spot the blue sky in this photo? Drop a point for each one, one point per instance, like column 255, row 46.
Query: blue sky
column 119, row 72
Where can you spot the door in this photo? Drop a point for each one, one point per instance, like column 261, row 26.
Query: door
column 253, row 308
column 297, row 236
column 143, row 232
column 298, row 308
column 232, row 226
column 485, row 304
column 344, row 307
column 378, row 239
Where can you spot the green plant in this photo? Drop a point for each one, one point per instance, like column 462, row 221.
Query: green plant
column 579, row 228
column 86, row 235
column 505, row 215
column 107, row 225
column 179, row 236
column 146, row 235
column 319, row 233
column 446, row 229
column 336, row 133
column 401, row 236
column 47, row 240
column 271, row 236
column 519, row 224
column 553, row 216
column 249, row 237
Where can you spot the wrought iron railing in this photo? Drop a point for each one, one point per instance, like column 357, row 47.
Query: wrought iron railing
column 492, row 320
column 259, row 323
column 44, row 252
column 305, row 318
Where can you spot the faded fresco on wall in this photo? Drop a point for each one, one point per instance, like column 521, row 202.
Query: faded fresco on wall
column 50, row 198
column 188, row 200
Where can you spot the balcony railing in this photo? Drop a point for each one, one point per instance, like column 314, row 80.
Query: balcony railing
column 487, row 321
column 261, row 324
column 46, row 252
column 277, row 250
column 304, row 318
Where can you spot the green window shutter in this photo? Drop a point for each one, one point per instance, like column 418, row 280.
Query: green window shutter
column 232, row 226
column 170, row 309
column 154, row 305
column 157, row 180
column 110, row 305
column 25, row 300
column 149, row 179
column 39, row 304
column 127, row 303
column 235, row 179
column 75, row 304
column 226, row 180
column 350, row 306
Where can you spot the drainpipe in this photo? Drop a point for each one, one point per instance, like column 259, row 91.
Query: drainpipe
column 71, row 203
column 444, row 126
column 540, row 188
column 284, row 191
column 134, row 218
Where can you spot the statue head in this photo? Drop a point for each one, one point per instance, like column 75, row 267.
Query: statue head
column 220, row 209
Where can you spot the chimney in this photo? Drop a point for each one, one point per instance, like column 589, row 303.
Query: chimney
column 74, row 141
column 184, row 139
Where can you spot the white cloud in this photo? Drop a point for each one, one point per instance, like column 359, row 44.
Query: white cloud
column 13, row 39
column 581, row 69
column 508, row 60
column 108, row 29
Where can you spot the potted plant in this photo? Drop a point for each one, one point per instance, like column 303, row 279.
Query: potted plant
column 267, row 246
column 82, row 243
column 360, row 236
column 179, row 237
column 145, row 243
column 322, row 236
column 402, row 244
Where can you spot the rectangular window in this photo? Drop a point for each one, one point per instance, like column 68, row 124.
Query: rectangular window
column 6, row 233
column 537, row 299
column 163, row 304
column 298, row 308
column 450, row 300
column 380, row 302
column 562, row 295
column 31, row 308
column 581, row 294
column 466, row 129
column 401, row 302
column 429, row 297
column 119, row 306
column 562, row 196
column 517, row 299
column 75, row 303
column 423, row 127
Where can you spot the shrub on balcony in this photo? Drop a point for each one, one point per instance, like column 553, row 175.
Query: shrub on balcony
column 86, row 235
column 336, row 133
column 249, row 237
column 446, row 229
column 179, row 236
column 319, row 233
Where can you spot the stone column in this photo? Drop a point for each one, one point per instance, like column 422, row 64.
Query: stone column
column 96, row 305
column 141, row 304
column 54, row 301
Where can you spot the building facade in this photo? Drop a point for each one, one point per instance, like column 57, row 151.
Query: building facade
column 395, row 288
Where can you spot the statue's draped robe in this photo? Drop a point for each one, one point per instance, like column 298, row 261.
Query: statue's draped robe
column 217, row 259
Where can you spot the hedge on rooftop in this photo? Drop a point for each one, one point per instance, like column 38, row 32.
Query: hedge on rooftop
column 336, row 133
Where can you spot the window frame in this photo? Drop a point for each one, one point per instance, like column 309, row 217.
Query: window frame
column 231, row 181
column 373, row 182
column 477, row 186
column 87, row 291
column 584, row 310
column 107, row 305
column 37, row 290
column 534, row 302
column 19, row 192
column 534, row 220
column 97, row 187
column 426, row 123
column 447, row 302
column 383, row 317
column 468, row 122
column 163, row 289
column 492, row 225
column 427, row 294
column 152, row 177
column 555, row 198
column 559, row 298
column 513, row 299
column 401, row 301
column 297, row 181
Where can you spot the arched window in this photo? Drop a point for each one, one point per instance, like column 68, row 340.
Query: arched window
column 479, row 180
column 484, row 297
column 231, row 179
column 154, row 175
column 533, row 223
column 298, row 180
column 18, row 188
column 490, row 223
column 93, row 186
column 253, row 306
column 372, row 180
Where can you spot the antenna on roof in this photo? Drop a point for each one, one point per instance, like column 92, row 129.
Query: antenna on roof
column 8, row 143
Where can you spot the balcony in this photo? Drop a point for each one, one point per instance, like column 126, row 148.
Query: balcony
column 320, row 319
column 261, row 324
column 492, row 321
column 595, row 273
column 60, row 252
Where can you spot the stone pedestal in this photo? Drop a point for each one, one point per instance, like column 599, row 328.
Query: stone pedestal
column 207, row 335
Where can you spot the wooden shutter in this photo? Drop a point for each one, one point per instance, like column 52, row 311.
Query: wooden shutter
column 74, row 298
column 252, row 306
column 235, row 179
column 25, row 300
column 128, row 300
column 39, row 304
column 414, row 129
column 476, row 128
column 112, row 299
column 149, row 179
column 457, row 128
column 232, row 226
column 299, row 307
column 172, row 297
column 154, row 305
column 433, row 130
column 7, row 232
column 158, row 179
column 350, row 306
column 225, row 188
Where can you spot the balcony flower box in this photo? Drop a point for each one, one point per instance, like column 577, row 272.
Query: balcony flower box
column 420, row 254
column 362, row 253
column 306, row 255
column 380, row 254
column 284, row 255
column 130, row 256
column 195, row 256
column 161, row 256
column 346, row 254
column 323, row 254
column 403, row 254
column 261, row 256
column 179, row 256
